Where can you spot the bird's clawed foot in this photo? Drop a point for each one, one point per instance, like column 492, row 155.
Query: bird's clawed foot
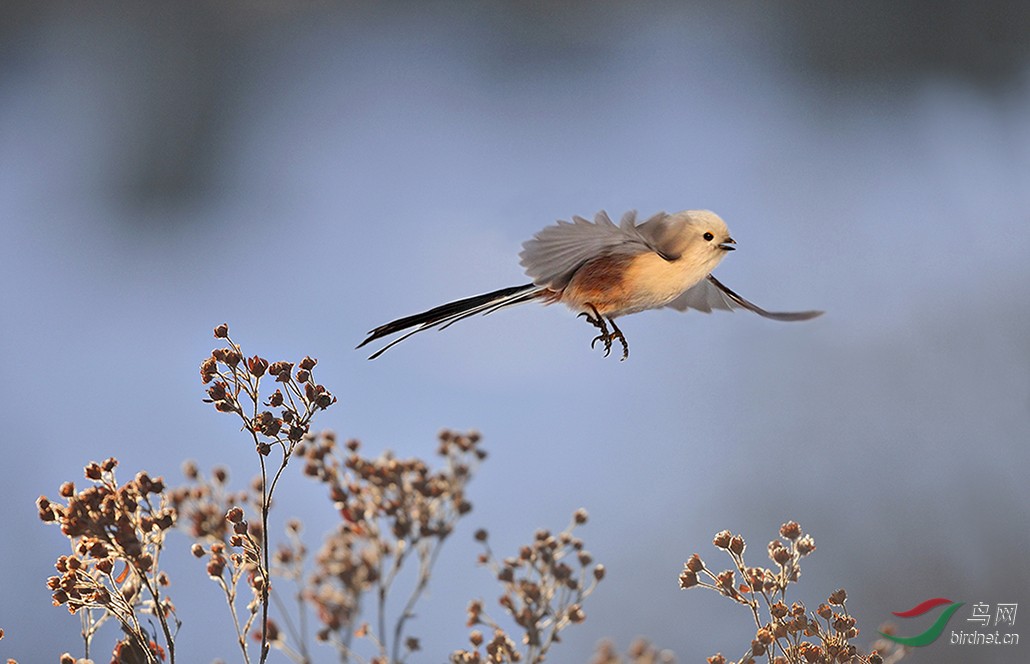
column 606, row 337
column 597, row 320
column 617, row 334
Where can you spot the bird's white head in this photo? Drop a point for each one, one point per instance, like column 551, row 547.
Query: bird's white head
column 700, row 236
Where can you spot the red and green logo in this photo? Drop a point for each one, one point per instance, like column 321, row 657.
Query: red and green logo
column 930, row 635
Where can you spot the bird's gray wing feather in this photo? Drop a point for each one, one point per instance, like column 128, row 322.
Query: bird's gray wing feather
column 710, row 293
column 555, row 253
column 660, row 232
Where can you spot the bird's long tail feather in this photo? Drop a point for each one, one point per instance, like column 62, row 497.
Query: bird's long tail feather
column 447, row 314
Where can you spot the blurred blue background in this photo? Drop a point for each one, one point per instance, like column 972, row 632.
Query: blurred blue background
column 307, row 171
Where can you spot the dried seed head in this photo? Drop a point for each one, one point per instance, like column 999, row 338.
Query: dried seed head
column 144, row 562
column 722, row 539
column 222, row 331
column 225, row 407
column 805, row 545
column 281, row 370
column 838, row 597
column 790, row 530
column 778, row 553
column 737, row 545
column 232, row 357
column 257, row 366
column 811, row 652
column 46, row 512
column 580, row 516
column 208, row 370
column 842, row 623
column 694, row 563
column 190, row 470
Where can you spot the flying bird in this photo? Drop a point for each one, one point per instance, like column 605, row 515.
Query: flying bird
column 604, row 271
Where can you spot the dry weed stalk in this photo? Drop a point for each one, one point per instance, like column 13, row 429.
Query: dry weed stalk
column 641, row 651
column 392, row 510
column 785, row 634
column 279, row 424
column 543, row 594
column 117, row 533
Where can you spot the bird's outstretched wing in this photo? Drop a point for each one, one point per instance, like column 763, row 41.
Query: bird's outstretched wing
column 710, row 293
column 555, row 253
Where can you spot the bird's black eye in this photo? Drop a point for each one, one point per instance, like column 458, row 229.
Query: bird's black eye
column 709, row 237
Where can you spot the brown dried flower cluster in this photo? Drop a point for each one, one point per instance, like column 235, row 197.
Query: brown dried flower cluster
column 117, row 533
column 391, row 510
column 281, row 422
column 205, row 500
column 641, row 651
column 544, row 588
column 789, row 634
column 235, row 381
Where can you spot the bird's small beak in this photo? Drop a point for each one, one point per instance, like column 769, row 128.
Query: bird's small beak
column 725, row 246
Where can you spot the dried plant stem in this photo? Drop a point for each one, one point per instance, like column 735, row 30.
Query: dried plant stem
column 426, row 563
column 301, row 656
column 265, row 500
column 161, row 618
column 241, row 632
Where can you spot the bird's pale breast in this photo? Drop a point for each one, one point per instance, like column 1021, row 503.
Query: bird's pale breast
column 623, row 284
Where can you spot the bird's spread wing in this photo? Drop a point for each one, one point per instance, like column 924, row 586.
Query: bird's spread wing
column 711, row 294
column 555, row 253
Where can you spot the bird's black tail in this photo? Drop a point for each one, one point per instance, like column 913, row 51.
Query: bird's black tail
column 452, row 312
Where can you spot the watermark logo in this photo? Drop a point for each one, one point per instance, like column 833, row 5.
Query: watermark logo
column 930, row 635
column 1004, row 614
